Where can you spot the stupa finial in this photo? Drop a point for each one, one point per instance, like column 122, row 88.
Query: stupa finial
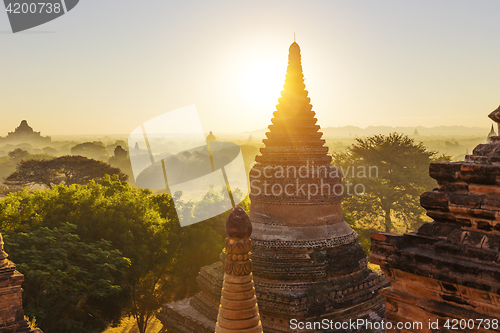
column 238, row 310
column 495, row 116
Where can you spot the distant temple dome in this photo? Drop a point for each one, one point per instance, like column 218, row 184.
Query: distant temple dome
column 24, row 133
column 211, row 137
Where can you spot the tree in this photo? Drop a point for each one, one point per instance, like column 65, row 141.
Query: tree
column 189, row 248
column 164, row 258
column 66, row 281
column 50, row 151
column 392, row 171
column 18, row 154
column 61, row 170
column 8, row 165
column 111, row 211
column 94, row 149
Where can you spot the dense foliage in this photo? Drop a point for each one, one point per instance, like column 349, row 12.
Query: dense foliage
column 69, row 283
column 121, row 224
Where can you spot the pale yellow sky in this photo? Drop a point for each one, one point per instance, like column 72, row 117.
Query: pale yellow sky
column 107, row 67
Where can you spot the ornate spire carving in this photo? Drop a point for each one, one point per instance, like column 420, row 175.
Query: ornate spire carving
column 238, row 310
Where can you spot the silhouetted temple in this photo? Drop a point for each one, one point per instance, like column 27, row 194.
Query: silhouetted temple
column 24, row 133
column 491, row 134
column 11, row 307
column 211, row 137
column 449, row 270
column 307, row 262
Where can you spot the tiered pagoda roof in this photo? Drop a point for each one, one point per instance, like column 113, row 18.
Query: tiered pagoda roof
column 307, row 262
column 294, row 137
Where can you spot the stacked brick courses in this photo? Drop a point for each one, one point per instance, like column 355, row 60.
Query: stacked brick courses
column 449, row 270
column 11, row 306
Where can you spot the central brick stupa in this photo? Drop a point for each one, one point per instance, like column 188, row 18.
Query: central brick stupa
column 307, row 262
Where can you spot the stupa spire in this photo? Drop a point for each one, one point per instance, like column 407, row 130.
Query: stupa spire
column 238, row 310
column 495, row 116
column 306, row 260
column 293, row 136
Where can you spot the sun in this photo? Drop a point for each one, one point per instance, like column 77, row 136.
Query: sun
column 262, row 83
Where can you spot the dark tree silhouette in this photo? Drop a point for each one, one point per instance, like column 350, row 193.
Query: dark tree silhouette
column 90, row 149
column 61, row 170
column 18, row 154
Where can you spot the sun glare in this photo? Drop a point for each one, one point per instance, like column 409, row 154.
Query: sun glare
column 262, row 84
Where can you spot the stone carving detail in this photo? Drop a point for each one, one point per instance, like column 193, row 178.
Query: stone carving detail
column 238, row 256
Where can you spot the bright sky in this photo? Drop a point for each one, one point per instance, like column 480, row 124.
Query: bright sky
column 108, row 66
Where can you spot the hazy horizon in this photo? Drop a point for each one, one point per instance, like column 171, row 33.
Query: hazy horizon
column 480, row 131
column 110, row 66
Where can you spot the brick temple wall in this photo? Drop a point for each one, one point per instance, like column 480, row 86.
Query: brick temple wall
column 447, row 274
column 11, row 306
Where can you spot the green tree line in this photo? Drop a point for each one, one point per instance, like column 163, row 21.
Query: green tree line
column 95, row 252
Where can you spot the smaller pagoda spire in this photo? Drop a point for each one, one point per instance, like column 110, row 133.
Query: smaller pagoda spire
column 238, row 310
column 495, row 116
column 491, row 134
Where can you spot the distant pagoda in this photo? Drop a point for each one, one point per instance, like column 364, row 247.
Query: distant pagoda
column 307, row 262
column 25, row 134
column 491, row 135
column 211, row 137
column 495, row 116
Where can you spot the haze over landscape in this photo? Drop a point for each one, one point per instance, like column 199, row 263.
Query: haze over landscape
column 383, row 63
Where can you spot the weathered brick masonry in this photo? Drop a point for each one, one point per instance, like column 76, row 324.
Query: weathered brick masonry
column 11, row 305
column 450, row 268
